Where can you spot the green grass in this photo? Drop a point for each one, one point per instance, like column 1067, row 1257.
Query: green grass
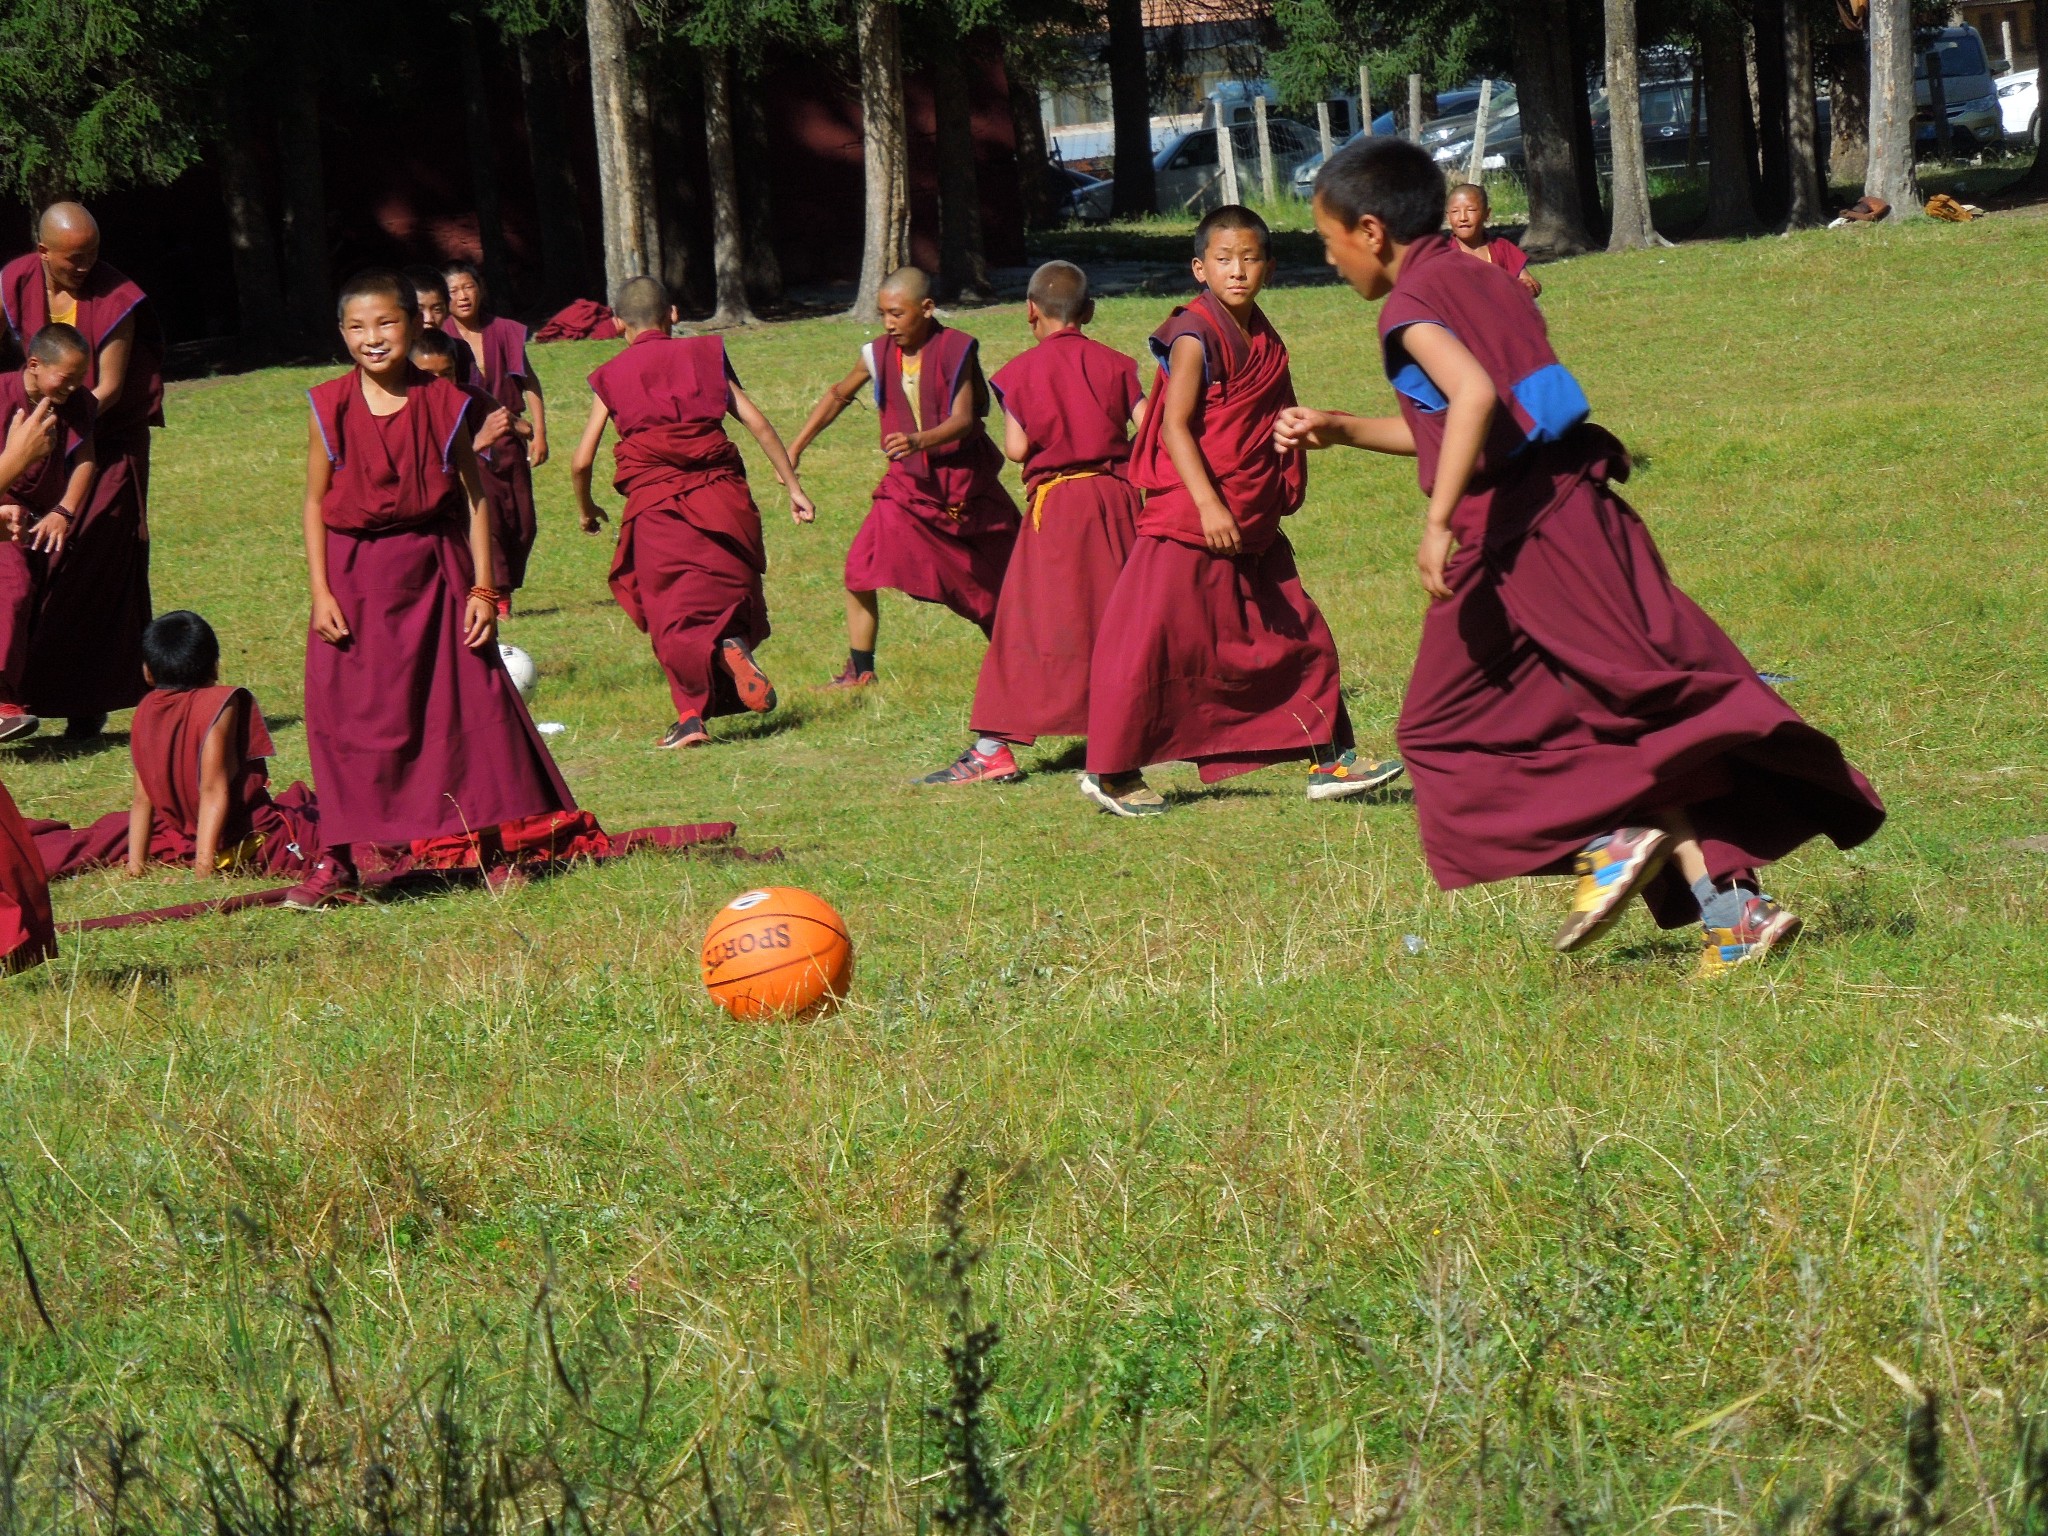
column 1286, row 1224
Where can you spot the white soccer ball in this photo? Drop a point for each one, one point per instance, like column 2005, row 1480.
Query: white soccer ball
column 520, row 668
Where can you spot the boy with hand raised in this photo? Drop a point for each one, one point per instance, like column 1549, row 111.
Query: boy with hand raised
column 1210, row 650
column 941, row 526
column 1570, row 708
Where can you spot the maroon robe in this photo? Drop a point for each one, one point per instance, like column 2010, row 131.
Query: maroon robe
column 41, row 487
column 412, row 733
column 1073, row 397
column 261, row 835
column 85, row 656
column 1568, row 688
column 941, row 527
column 505, row 373
column 690, row 558
column 1219, row 660
column 28, row 935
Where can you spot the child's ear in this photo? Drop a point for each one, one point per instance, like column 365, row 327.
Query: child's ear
column 148, row 676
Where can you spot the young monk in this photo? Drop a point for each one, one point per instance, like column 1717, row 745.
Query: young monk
column 1570, row 707
column 39, row 508
column 414, row 728
column 202, row 786
column 441, row 356
column 430, row 291
column 497, row 348
column 1068, row 404
column 28, row 934
column 941, row 527
column 1210, row 651
column 690, row 558
column 1467, row 213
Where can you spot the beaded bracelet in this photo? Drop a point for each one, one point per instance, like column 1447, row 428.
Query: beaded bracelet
column 488, row 594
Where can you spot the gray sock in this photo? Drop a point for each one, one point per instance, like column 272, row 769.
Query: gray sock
column 989, row 746
column 1718, row 908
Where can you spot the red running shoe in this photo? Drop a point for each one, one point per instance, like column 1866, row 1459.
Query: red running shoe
column 970, row 767
column 332, row 883
column 848, row 678
column 755, row 691
column 16, row 723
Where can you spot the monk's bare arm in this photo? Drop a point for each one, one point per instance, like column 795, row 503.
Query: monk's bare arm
column 763, row 430
column 835, row 400
column 53, row 530
column 1299, row 427
column 114, row 354
column 1016, row 441
column 581, row 461
column 537, row 413
column 141, row 816
column 1176, row 431
column 31, row 436
column 1138, row 415
column 1457, row 373
column 479, row 614
column 328, row 622
column 214, row 768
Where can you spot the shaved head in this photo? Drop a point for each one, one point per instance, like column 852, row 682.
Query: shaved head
column 1060, row 290
column 643, row 304
column 66, row 224
column 910, row 282
column 57, row 343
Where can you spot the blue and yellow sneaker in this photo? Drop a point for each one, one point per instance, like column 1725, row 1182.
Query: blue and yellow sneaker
column 1609, row 875
column 1344, row 777
column 1763, row 925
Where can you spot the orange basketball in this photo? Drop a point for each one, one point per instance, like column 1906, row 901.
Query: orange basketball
column 778, row 951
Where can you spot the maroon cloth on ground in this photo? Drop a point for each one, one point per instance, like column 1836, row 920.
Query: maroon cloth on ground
column 690, row 556
column 942, row 525
column 85, row 655
column 39, row 489
column 1247, row 384
column 1073, row 397
column 412, row 734
column 581, row 320
column 1216, row 660
column 504, row 372
column 28, row 936
column 1568, row 687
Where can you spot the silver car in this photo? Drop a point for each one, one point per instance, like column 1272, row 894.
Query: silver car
column 1189, row 176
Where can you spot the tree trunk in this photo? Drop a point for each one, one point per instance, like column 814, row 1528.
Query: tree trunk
column 618, row 109
column 1041, row 209
column 1133, row 193
column 1849, row 111
column 1731, row 153
column 757, row 204
column 885, row 242
column 728, row 248
column 309, row 284
column 963, row 264
column 259, row 295
column 2035, row 182
column 483, row 165
column 1891, row 175
column 564, row 272
column 1768, row 22
column 1631, row 228
column 1806, row 204
column 1557, row 218
column 681, row 241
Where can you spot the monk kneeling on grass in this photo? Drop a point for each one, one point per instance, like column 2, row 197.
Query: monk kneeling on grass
column 690, row 556
column 1210, row 650
column 1570, row 708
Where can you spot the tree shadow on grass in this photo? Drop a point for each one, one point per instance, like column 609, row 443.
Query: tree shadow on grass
column 62, row 749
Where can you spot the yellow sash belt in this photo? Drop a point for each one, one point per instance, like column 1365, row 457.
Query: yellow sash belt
column 1038, row 496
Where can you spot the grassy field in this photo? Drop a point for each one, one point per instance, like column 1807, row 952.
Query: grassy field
column 1308, row 1196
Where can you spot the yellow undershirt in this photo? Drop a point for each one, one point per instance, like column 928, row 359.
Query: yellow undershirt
column 911, row 364
column 63, row 308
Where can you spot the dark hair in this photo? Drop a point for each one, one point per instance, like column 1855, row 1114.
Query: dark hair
column 470, row 270
column 1231, row 216
column 432, row 343
column 378, row 283
column 426, row 279
column 1391, row 179
column 643, row 304
column 181, row 649
column 57, row 341
column 1060, row 290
